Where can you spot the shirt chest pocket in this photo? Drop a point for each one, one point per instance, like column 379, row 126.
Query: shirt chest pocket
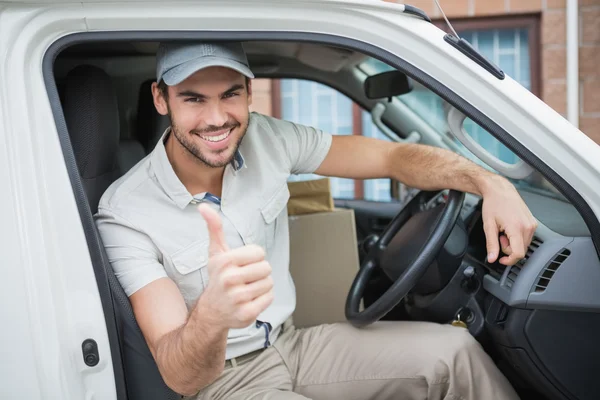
column 270, row 211
column 190, row 270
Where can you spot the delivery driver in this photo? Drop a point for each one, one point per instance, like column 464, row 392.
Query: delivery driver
column 197, row 235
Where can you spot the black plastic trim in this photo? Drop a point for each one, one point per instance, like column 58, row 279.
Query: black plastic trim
column 408, row 9
column 88, row 224
column 465, row 47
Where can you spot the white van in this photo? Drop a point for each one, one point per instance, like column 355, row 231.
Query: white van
column 75, row 115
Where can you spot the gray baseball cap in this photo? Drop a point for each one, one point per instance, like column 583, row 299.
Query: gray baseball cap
column 175, row 62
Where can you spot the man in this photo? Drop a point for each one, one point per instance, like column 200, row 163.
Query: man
column 197, row 235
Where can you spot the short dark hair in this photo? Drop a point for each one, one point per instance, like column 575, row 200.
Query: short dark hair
column 164, row 89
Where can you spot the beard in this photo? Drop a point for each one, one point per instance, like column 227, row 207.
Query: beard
column 185, row 139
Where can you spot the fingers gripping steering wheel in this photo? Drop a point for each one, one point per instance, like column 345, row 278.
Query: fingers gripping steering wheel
column 405, row 250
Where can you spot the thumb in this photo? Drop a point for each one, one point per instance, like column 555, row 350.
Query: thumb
column 215, row 230
column 491, row 236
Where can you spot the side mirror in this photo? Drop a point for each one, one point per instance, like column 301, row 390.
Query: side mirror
column 387, row 85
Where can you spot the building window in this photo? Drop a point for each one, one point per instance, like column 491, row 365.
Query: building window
column 507, row 48
column 317, row 105
column 512, row 43
column 313, row 104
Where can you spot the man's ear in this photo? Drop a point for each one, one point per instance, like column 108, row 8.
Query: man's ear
column 160, row 103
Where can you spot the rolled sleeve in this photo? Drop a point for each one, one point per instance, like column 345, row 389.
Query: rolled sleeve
column 132, row 254
column 305, row 147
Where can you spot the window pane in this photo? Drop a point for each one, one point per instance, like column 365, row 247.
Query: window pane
column 509, row 49
column 375, row 66
column 319, row 106
column 523, row 59
column 426, row 104
column 484, row 42
column 506, row 39
column 375, row 189
column 507, row 63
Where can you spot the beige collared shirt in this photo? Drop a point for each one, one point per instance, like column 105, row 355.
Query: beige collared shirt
column 151, row 229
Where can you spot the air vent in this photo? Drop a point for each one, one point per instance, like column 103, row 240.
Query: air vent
column 511, row 278
column 535, row 243
column 512, row 275
column 551, row 268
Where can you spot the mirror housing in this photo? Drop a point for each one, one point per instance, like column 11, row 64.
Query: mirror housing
column 387, row 85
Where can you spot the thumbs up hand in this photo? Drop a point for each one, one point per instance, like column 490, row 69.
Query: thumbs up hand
column 240, row 284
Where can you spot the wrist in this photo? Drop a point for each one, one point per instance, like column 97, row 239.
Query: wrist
column 209, row 315
column 487, row 183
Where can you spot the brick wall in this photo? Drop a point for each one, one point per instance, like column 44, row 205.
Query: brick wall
column 589, row 67
column 261, row 96
column 553, row 51
column 553, row 47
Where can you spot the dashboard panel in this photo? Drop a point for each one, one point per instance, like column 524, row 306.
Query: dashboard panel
column 542, row 314
column 560, row 271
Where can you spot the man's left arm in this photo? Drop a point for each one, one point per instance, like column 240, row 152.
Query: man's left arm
column 431, row 168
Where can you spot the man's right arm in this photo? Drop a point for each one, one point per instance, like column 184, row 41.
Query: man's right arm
column 189, row 348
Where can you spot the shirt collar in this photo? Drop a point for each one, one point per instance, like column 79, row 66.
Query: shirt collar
column 238, row 160
column 169, row 180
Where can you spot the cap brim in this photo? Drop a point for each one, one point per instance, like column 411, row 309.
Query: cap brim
column 180, row 73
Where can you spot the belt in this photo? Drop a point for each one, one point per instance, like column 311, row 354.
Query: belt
column 243, row 359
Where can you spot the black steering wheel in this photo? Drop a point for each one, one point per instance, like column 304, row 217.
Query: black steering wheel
column 405, row 250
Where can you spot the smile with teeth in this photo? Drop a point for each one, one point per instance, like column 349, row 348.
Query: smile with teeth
column 217, row 138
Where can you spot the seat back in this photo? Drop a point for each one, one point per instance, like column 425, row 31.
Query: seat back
column 92, row 117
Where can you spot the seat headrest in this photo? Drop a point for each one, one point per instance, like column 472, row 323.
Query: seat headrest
column 92, row 117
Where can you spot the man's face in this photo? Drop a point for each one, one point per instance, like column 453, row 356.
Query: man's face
column 209, row 113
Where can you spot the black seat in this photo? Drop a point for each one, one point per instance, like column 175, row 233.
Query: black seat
column 92, row 117
column 149, row 128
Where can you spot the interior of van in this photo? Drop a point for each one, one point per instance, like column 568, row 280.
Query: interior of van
column 538, row 319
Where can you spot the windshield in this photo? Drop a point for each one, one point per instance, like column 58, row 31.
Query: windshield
column 430, row 107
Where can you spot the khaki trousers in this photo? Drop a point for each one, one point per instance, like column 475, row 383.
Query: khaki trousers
column 387, row 360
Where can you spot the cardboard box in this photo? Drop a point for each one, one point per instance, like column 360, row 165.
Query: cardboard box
column 307, row 197
column 323, row 264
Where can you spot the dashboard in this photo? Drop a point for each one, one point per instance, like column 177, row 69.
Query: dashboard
column 561, row 269
column 542, row 315
column 539, row 319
